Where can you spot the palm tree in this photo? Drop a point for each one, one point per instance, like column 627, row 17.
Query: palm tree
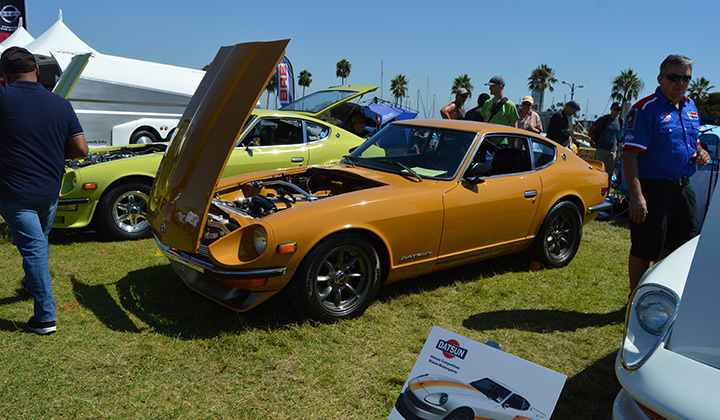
column 270, row 88
column 398, row 87
column 305, row 79
column 700, row 89
column 462, row 81
column 342, row 69
column 626, row 87
column 540, row 79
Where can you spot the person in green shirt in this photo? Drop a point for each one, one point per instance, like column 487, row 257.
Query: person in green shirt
column 499, row 110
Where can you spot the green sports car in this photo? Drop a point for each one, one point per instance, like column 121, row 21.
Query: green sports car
column 110, row 186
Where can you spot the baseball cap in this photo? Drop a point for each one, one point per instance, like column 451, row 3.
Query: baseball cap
column 496, row 80
column 462, row 91
column 574, row 105
column 528, row 99
column 17, row 60
column 615, row 105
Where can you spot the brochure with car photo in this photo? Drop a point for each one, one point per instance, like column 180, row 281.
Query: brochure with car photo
column 458, row 378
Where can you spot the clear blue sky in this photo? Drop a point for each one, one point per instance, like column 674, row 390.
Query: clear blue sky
column 586, row 42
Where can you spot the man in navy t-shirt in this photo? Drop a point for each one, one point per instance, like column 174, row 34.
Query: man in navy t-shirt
column 38, row 131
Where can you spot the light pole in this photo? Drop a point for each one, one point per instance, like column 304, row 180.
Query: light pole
column 572, row 88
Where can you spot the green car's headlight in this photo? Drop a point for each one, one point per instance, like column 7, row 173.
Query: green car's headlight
column 260, row 239
column 654, row 310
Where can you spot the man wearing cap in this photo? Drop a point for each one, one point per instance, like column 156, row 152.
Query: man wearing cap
column 659, row 156
column 38, row 131
column 456, row 110
column 604, row 134
column 560, row 125
column 529, row 119
column 499, row 110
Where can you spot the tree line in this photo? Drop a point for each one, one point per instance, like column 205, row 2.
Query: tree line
column 626, row 87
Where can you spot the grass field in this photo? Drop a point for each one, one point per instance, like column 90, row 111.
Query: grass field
column 134, row 342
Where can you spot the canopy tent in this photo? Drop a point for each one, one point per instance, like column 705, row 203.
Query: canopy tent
column 57, row 37
column 19, row 38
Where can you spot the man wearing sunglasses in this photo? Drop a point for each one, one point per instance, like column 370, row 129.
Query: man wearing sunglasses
column 660, row 153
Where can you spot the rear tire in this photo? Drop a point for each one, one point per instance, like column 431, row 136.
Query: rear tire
column 338, row 279
column 559, row 236
column 143, row 137
column 121, row 211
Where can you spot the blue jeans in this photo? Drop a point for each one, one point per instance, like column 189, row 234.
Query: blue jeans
column 29, row 225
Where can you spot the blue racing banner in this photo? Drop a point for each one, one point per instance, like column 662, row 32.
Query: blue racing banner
column 12, row 15
column 285, row 82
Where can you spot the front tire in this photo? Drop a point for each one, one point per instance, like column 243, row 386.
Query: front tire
column 461, row 414
column 559, row 236
column 121, row 211
column 338, row 279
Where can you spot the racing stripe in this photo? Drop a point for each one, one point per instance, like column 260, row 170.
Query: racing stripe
column 425, row 384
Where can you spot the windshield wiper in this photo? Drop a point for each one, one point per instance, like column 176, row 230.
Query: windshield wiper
column 349, row 159
column 402, row 166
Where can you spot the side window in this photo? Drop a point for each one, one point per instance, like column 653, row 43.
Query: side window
column 517, row 402
column 288, row 131
column 316, row 132
column 542, row 154
column 262, row 134
column 505, row 154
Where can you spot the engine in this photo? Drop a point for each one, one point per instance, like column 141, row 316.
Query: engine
column 107, row 155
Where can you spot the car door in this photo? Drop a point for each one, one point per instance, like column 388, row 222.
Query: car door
column 495, row 215
column 270, row 143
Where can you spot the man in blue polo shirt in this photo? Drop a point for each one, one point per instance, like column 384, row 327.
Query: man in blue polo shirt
column 38, row 130
column 659, row 156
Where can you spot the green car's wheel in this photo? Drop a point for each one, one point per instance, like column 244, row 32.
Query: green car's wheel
column 461, row 414
column 121, row 211
column 338, row 279
column 559, row 237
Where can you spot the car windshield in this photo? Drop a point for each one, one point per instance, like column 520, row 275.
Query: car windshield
column 491, row 389
column 318, row 101
column 425, row 152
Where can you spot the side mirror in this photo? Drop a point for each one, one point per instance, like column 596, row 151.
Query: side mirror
column 477, row 172
column 254, row 142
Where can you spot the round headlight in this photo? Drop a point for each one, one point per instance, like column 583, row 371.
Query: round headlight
column 654, row 310
column 439, row 398
column 260, row 239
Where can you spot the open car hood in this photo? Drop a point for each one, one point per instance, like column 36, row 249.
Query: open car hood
column 205, row 137
column 320, row 102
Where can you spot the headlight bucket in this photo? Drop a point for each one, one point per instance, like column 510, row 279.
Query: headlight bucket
column 260, row 240
column 439, row 398
column 650, row 317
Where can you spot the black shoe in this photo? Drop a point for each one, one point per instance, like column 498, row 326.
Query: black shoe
column 41, row 328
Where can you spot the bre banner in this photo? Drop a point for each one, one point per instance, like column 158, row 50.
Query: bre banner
column 12, row 15
column 285, row 82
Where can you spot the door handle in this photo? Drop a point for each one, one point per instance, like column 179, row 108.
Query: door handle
column 530, row 194
column 297, row 160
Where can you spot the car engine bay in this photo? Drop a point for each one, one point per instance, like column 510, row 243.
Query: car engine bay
column 256, row 199
column 106, row 155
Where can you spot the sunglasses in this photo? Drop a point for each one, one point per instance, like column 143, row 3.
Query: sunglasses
column 685, row 78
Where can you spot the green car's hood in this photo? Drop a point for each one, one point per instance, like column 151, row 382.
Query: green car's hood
column 205, row 137
column 316, row 104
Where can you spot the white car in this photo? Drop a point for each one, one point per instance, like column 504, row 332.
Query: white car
column 669, row 362
column 441, row 398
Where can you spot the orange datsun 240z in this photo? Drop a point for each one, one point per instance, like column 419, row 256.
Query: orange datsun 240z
column 417, row 197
